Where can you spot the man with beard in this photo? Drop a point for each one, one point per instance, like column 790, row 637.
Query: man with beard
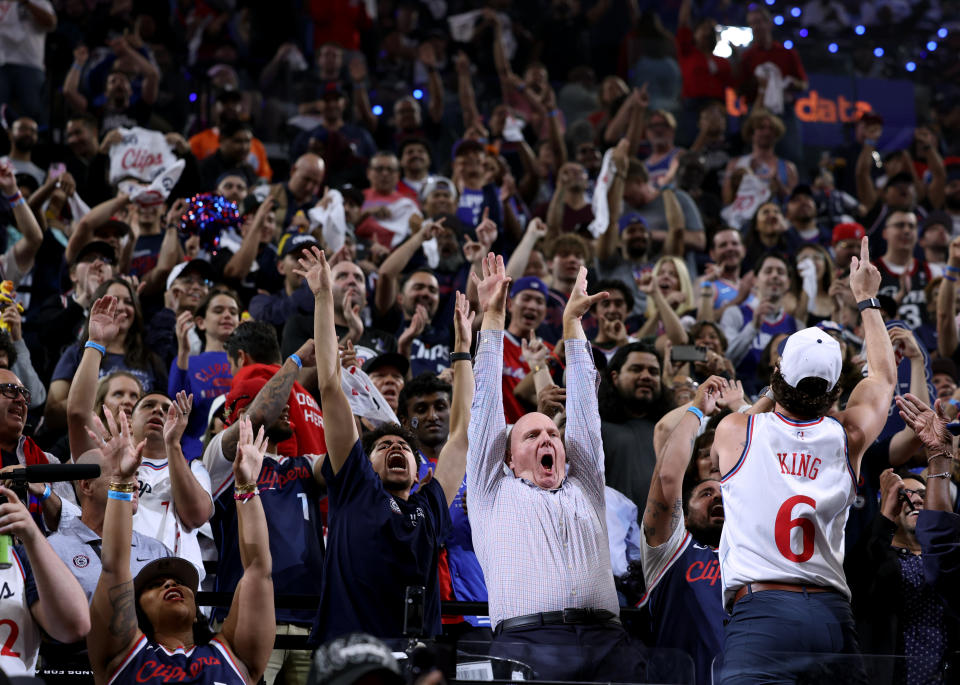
column 801, row 216
column 424, row 409
column 421, row 335
column 385, row 206
column 681, row 533
column 23, row 138
column 349, row 300
column 117, row 107
column 232, row 154
column 889, row 563
column 229, row 106
column 414, row 156
column 631, row 400
column 568, row 211
column 935, row 240
column 727, row 253
column 384, row 538
column 56, row 323
column 750, row 327
column 623, row 254
column 290, row 489
column 334, row 101
column 903, row 276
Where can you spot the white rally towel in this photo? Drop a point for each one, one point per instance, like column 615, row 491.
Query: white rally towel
column 364, row 398
column 158, row 191
column 141, row 153
column 601, row 209
column 332, row 219
column 463, row 27
column 398, row 222
column 773, row 92
column 752, row 192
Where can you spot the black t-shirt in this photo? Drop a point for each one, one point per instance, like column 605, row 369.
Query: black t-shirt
column 378, row 545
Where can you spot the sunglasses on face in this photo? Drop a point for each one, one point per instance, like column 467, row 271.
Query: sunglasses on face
column 13, row 391
column 103, row 259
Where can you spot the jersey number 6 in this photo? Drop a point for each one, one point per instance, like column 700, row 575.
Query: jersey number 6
column 785, row 525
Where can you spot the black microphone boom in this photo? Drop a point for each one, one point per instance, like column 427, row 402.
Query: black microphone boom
column 51, row 473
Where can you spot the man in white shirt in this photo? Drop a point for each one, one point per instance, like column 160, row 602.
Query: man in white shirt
column 23, row 33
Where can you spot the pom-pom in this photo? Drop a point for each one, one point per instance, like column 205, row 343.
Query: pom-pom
column 206, row 216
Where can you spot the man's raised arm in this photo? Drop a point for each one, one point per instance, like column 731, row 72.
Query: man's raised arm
column 453, row 456
column 584, row 446
column 340, row 429
column 488, row 428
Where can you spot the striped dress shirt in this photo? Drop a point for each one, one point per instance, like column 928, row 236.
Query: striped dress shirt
column 540, row 550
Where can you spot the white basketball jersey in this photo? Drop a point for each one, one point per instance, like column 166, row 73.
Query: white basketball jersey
column 19, row 634
column 157, row 517
column 785, row 505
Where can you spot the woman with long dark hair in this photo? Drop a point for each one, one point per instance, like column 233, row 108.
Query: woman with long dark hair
column 124, row 351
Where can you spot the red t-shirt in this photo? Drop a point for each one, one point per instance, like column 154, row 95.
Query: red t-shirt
column 305, row 414
column 704, row 76
column 787, row 60
column 514, row 371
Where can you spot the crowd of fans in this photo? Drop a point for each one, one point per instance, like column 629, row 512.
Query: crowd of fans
column 378, row 154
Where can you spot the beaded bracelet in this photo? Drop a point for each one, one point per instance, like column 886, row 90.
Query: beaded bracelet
column 243, row 497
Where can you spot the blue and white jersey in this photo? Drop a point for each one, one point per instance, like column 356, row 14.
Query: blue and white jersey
column 149, row 662
column 685, row 597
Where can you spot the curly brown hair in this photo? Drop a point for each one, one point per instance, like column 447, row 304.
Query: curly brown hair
column 809, row 400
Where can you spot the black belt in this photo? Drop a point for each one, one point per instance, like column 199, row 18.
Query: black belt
column 565, row 617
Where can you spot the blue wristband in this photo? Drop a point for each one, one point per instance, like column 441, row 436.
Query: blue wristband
column 696, row 412
column 954, row 402
column 96, row 346
column 122, row 496
column 952, row 269
column 46, row 494
column 296, row 360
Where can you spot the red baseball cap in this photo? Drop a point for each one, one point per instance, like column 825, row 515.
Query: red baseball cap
column 241, row 394
column 848, row 231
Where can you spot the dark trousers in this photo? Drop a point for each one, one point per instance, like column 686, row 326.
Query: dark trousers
column 601, row 652
column 776, row 636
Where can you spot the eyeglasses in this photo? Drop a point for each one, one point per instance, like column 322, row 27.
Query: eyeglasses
column 907, row 492
column 13, row 391
column 196, row 283
column 94, row 257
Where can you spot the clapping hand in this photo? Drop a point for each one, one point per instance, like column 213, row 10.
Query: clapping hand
column 534, row 352
column 316, row 271
column 493, row 288
column 930, row 425
column 177, row 417
column 579, row 302
column 709, row 393
column 250, row 451
column 102, row 326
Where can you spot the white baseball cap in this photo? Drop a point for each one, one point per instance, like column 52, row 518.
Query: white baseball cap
column 811, row 353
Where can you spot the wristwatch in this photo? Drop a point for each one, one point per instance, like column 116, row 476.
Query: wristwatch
column 869, row 303
column 766, row 392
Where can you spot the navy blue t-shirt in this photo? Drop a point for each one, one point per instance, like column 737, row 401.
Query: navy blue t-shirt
column 378, row 546
column 291, row 501
column 686, row 605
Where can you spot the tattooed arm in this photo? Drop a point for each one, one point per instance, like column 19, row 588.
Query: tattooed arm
column 667, row 483
column 271, row 400
column 113, row 614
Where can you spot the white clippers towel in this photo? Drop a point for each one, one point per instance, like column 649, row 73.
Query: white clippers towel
column 141, row 153
column 159, row 190
column 332, row 219
column 773, row 93
column 78, row 208
column 399, row 221
column 364, row 398
column 752, row 192
column 601, row 210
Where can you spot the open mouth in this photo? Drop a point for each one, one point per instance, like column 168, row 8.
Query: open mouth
column 716, row 511
column 173, row 595
column 397, row 462
column 155, row 423
column 546, row 461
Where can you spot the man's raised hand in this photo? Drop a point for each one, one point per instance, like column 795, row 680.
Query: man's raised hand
column 864, row 276
column 930, row 424
column 462, row 324
column 250, row 451
column 579, row 302
column 316, row 271
column 493, row 288
column 177, row 417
